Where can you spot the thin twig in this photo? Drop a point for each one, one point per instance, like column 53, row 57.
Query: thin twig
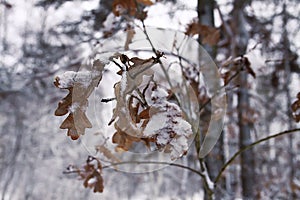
column 210, row 99
column 143, row 162
column 250, row 146
column 156, row 162
column 106, row 100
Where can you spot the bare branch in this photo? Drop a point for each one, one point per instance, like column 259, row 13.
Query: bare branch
column 250, row 146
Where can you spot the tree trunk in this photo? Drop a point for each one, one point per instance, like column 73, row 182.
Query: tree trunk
column 287, row 68
column 215, row 159
column 247, row 157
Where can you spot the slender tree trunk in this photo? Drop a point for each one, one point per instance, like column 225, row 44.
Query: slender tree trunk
column 287, row 68
column 247, row 157
column 205, row 10
column 215, row 159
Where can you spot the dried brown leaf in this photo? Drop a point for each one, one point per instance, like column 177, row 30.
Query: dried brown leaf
column 248, row 67
column 107, row 153
column 212, row 36
column 296, row 105
column 123, row 140
column 64, row 104
column 145, row 114
column 296, row 109
column 76, row 127
column 133, row 110
column 128, row 7
column 209, row 35
column 92, row 174
column 80, row 86
column 130, row 34
column 145, row 2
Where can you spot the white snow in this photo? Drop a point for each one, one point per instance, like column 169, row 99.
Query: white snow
column 159, row 94
column 123, row 82
column 168, row 125
column 210, row 184
column 179, row 146
column 66, row 80
column 74, row 107
column 183, row 127
column 163, row 138
column 69, row 78
column 92, row 181
column 156, row 122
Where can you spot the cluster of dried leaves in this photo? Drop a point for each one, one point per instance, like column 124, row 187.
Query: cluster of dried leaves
column 134, row 117
column 296, row 108
column 90, row 173
column 143, row 112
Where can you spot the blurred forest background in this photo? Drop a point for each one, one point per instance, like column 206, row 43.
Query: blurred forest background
column 42, row 38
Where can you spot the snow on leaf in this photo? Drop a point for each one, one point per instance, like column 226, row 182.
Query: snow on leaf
column 80, row 86
column 167, row 125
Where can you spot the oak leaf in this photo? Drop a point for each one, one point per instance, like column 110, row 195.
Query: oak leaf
column 123, row 140
column 209, row 35
column 80, row 86
column 128, row 7
column 92, row 174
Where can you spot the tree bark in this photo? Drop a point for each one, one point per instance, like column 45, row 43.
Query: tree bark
column 287, row 69
column 247, row 157
column 215, row 159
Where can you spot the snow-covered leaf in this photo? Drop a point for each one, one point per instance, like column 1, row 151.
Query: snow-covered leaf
column 80, row 86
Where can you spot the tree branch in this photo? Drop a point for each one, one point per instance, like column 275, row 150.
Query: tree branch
column 156, row 162
column 250, row 146
column 144, row 162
